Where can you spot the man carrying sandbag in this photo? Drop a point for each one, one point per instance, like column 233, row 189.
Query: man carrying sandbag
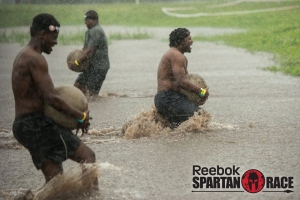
column 48, row 143
column 171, row 77
column 95, row 52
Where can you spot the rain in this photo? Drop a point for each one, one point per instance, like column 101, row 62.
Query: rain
column 246, row 50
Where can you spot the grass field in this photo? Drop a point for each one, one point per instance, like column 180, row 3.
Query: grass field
column 277, row 32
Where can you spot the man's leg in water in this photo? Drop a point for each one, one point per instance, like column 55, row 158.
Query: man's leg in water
column 95, row 81
column 51, row 169
column 86, row 155
column 175, row 107
column 81, row 81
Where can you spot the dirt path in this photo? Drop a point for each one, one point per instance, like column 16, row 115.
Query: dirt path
column 255, row 112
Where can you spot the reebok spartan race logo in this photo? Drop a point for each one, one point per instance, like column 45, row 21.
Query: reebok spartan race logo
column 228, row 179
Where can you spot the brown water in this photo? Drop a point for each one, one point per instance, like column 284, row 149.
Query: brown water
column 75, row 183
column 149, row 123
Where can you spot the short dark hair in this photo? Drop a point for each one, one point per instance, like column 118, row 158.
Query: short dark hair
column 42, row 22
column 91, row 14
column 177, row 36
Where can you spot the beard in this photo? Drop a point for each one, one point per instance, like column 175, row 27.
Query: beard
column 187, row 48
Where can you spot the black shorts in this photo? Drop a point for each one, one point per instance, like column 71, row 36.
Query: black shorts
column 174, row 106
column 45, row 139
column 92, row 78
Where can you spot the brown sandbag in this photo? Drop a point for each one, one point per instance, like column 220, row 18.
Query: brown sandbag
column 74, row 55
column 75, row 98
column 198, row 81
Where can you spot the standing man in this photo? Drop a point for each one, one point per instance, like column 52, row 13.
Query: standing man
column 95, row 52
column 170, row 103
column 48, row 143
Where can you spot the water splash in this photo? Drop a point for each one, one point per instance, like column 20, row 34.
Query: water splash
column 76, row 183
column 7, row 140
column 150, row 122
column 197, row 123
column 220, row 126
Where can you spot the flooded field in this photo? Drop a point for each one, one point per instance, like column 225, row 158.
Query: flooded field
column 252, row 123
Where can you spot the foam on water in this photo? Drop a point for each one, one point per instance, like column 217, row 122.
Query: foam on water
column 220, row 126
column 197, row 123
column 76, row 183
column 146, row 123
column 7, row 140
column 149, row 123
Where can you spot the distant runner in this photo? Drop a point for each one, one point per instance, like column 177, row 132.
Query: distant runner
column 95, row 52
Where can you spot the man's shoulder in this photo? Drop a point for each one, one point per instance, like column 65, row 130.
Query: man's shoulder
column 31, row 58
column 173, row 52
column 97, row 28
column 27, row 53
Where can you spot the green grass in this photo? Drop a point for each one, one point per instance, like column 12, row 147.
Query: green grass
column 129, row 36
column 71, row 39
column 74, row 38
column 18, row 37
column 284, row 43
column 275, row 32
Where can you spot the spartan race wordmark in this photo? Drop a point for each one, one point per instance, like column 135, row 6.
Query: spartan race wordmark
column 216, row 177
column 228, row 179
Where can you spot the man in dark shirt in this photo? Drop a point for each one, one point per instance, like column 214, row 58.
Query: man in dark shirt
column 95, row 52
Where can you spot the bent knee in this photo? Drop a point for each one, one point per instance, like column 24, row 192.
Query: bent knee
column 85, row 154
column 92, row 157
column 89, row 155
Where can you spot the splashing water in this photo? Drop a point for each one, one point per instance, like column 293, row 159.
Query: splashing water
column 220, row 126
column 7, row 140
column 150, row 122
column 72, row 183
column 197, row 123
column 76, row 183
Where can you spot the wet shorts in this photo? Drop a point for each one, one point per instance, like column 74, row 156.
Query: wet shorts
column 45, row 139
column 174, row 106
column 92, row 78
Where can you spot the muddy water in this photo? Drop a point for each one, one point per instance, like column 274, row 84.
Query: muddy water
column 254, row 123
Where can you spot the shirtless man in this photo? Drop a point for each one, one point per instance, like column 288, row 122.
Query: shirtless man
column 48, row 143
column 171, row 104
